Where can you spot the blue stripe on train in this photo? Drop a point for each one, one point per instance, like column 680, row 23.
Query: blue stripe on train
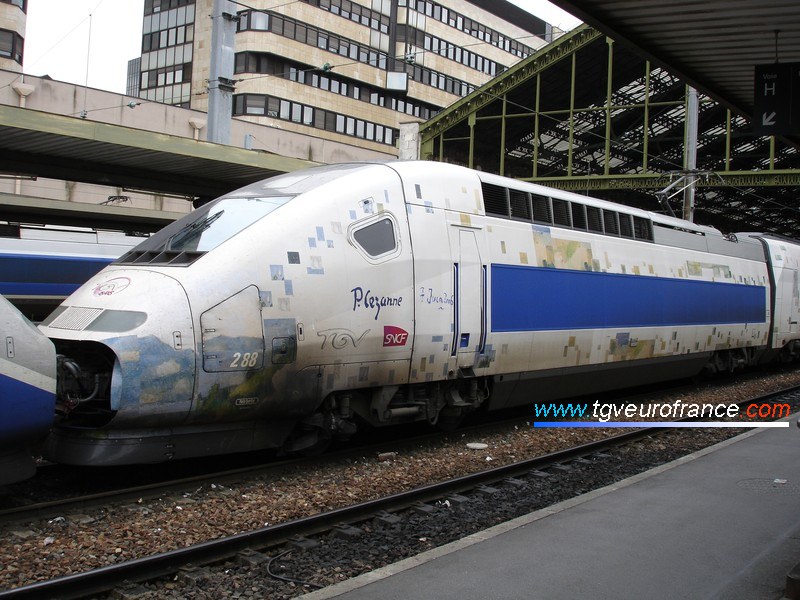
column 32, row 275
column 540, row 299
column 27, row 410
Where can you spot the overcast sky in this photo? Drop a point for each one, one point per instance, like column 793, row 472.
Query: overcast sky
column 58, row 41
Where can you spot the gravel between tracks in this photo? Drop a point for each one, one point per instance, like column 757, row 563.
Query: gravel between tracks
column 66, row 544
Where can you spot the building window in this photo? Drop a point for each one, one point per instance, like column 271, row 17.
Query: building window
column 290, row 28
column 153, row 78
column 354, row 12
column 23, row 4
column 167, row 37
column 11, row 45
column 472, row 27
column 438, row 80
column 253, row 62
column 452, row 52
column 167, row 49
column 286, row 110
column 155, row 6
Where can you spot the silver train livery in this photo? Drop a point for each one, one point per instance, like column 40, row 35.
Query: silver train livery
column 301, row 307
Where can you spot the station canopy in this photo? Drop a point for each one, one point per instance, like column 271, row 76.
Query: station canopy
column 39, row 144
column 603, row 111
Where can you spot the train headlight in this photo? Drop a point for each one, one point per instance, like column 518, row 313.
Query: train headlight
column 117, row 321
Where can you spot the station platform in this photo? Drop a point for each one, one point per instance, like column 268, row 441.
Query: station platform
column 723, row 523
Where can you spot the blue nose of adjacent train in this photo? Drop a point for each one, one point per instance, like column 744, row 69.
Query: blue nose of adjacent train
column 27, row 392
column 28, row 402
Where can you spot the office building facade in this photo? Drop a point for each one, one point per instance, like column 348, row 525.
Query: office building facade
column 336, row 69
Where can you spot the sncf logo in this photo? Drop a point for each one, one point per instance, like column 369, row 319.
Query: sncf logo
column 394, row 336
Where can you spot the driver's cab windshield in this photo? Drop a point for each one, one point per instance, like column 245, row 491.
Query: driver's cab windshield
column 204, row 229
column 223, row 220
column 185, row 240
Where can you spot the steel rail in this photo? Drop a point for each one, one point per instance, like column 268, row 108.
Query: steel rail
column 150, row 490
column 47, row 509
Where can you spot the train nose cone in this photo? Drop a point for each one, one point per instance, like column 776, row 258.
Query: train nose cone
column 155, row 362
column 143, row 317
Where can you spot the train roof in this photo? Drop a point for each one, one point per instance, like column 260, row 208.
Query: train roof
column 299, row 182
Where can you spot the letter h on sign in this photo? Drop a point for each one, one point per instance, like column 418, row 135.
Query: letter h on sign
column 776, row 99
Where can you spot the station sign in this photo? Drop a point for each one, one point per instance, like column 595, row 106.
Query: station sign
column 776, row 99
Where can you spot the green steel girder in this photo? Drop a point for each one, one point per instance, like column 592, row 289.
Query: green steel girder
column 658, row 181
column 507, row 81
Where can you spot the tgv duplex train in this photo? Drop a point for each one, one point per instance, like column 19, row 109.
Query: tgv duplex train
column 297, row 308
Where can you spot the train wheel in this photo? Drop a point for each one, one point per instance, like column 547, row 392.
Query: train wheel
column 306, row 442
column 450, row 418
column 319, row 447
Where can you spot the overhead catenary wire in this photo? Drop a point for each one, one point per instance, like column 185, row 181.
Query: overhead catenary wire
column 88, row 56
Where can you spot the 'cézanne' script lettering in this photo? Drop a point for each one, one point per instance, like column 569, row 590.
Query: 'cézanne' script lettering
column 368, row 300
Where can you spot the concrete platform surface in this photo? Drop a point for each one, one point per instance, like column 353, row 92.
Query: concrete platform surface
column 723, row 523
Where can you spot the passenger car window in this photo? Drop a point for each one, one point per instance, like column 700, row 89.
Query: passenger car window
column 610, row 222
column 541, row 209
column 594, row 218
column 625, row 225
column 578, row 216
column 520, row 204
column 561, row 214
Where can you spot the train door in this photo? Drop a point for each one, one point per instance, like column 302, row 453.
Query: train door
column 233, row 339
column 469, row 286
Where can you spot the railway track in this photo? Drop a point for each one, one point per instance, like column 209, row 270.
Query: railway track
column 60, row 489
column 249, row 547
column 115, row 494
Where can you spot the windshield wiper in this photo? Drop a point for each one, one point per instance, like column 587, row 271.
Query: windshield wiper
column 192, row 231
